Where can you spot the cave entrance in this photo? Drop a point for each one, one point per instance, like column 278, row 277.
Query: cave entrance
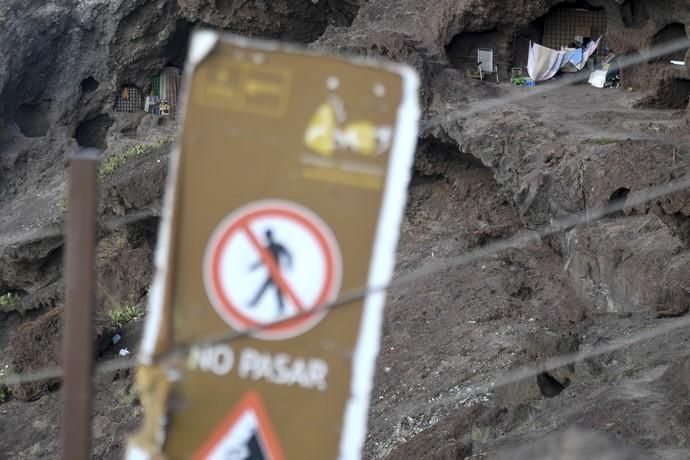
column 92, row 133
column 569, row 25
column 162, row 93
column 89, row 85
column 670, row 34
column 616, row 203
column 462, row 50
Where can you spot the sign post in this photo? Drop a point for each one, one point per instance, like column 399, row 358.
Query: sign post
column 286, row 191
column 80, row 296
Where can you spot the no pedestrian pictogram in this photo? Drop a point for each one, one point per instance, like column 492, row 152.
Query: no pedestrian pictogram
column 246, row 434
column 271, row 261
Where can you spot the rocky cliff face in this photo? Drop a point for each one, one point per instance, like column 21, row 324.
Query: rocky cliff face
column 485, row 170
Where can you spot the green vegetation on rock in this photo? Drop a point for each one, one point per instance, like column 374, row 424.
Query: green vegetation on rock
column 123, row 315
column 119, row 159
column 8, row 299
column 62, row 203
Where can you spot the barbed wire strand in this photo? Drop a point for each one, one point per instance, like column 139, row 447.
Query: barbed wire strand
column 638, row 199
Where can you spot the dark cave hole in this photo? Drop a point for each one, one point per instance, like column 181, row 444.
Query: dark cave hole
column 534, row 32
column 175, row 51
column 92, row 133
column 89, row 85
column 616, row 202
column 669, row 34
column 619, row 196
column 462, row 49
column 32, row 119
column 550, row 387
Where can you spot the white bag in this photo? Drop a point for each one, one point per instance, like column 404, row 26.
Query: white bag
column 597, row 78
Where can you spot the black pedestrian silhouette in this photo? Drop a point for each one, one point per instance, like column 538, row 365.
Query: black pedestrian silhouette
column 250, row 451
column 279, row 254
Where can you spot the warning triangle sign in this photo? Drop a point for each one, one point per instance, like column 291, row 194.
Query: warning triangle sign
column 246, row 434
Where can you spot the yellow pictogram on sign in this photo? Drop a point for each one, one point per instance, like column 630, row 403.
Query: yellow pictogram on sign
column 328, row 132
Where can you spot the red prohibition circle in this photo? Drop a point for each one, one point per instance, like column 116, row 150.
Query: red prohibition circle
column 237, row 223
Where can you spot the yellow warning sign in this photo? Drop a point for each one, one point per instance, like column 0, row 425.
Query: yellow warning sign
column 285, row 194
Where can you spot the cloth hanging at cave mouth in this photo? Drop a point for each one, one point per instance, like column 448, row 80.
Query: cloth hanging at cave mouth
column 585, row 53
column 169, row 86
column 543, row 63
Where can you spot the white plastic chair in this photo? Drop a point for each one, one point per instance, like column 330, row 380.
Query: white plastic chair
column 486, row 64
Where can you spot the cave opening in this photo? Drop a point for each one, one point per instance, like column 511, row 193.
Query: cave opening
column 669, row 34
column 568, row 24
column 617, row 202
column 175, row 50
column 163, row 84
column 32, row 119
column 462, row 49
column 549, row 386
column 92, row 133
column 89, row 85
column 533, row 32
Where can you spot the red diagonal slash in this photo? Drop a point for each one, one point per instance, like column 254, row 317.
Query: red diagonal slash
column 277, row 277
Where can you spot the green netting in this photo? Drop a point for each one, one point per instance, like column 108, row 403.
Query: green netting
column 156, row 85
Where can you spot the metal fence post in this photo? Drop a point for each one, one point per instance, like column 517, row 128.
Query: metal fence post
column 80, row 296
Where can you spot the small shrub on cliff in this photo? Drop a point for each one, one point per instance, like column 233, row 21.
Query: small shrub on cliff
column 62, row 203
column 120, row 159
column 123, row 315
column 8, row 299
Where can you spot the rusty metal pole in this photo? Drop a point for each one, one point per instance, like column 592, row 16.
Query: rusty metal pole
column 80, row 296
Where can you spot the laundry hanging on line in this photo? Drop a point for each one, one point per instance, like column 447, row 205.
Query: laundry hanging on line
column 543, row 63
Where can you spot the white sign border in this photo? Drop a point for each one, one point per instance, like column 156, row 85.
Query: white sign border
column 382, row 265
